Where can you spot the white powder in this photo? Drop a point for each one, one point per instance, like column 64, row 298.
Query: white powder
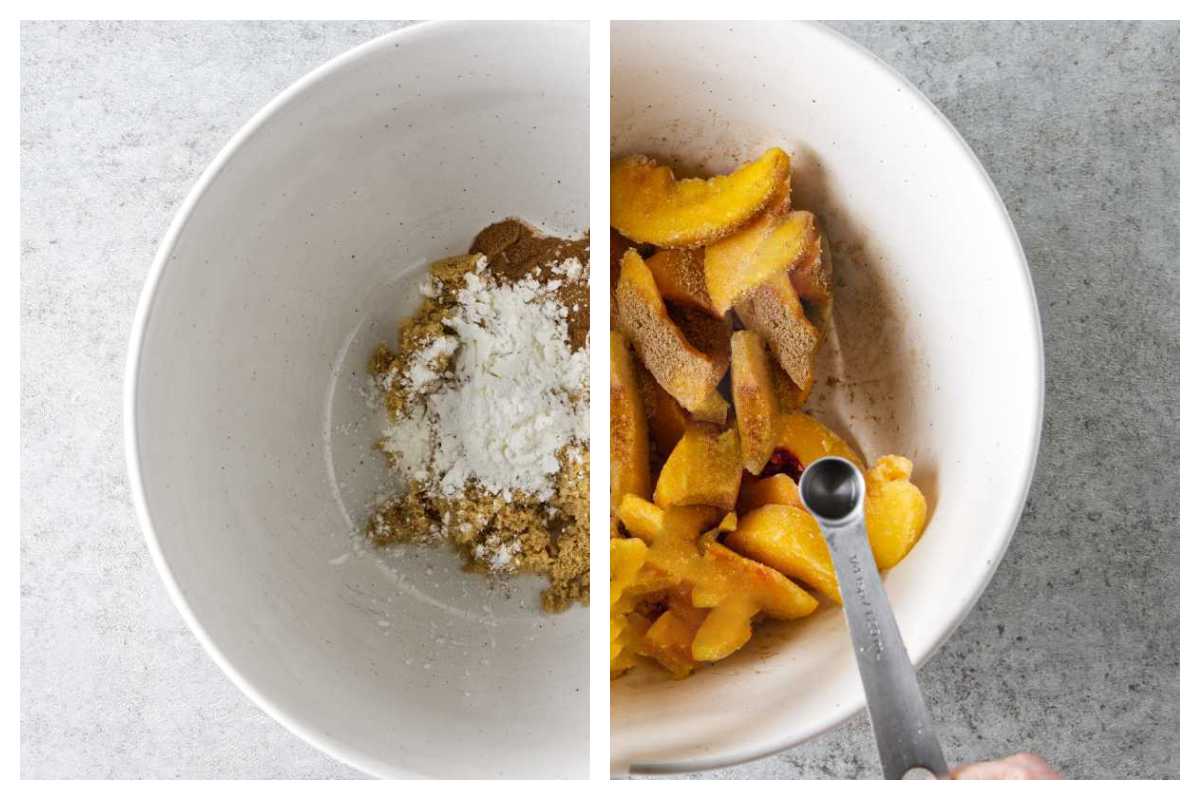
column 408, row 441
column 498, row 557
column 423, row 370
column 515, row 398
column 571, row 269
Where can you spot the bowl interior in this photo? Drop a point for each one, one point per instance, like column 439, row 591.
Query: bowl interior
column 251, row 437
column 936, row 352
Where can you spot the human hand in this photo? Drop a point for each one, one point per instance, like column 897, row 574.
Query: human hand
column 1020, row 767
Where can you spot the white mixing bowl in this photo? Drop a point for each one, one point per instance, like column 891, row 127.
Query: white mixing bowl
column 248, row 441
column 937, row 355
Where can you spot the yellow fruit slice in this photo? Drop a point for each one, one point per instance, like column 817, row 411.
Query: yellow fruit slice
column 737, row 589
column 753, row 400
column 778, row 490
column 895, row 510
column 714, row 410
column 647, row 521
column 805, row 439
column 669, row 420
column 680, row 278
column 771, row 245
column 725, row 630
column 641, row 518
column 628, row 432
column 689, row 374
column 650, row 205
column 773, row 310
column 790, row 396
column 788, row 539
column 626, row 557
column 813, row 276
column 704, row 469
column 669, row 642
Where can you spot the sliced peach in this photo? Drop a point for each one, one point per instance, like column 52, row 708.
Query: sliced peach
column 774, row 312
column 770, row 246
column 813, row 275
column 790, row 396
column 626, row 557
column 617, row 245
column 777, row 490
column 629, row 436
column 805, row 439
column 668, row 420
column 704, row 469
column 895, row 510
column 714, row 410
column 669, row 642
column 680, row 278
column 725, row 630
column 788, row 539
column 680, row 273
column 626, row 626
column 683, row 370
column 732, row 574
column 640, row 517
column 737, row 589
column 648, row 522
column 677, row 549
column 753, row 399
column 650, row 205
column 710, row 335
column 625, row 636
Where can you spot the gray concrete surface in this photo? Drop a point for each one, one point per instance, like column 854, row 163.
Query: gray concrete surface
column 1073, row 650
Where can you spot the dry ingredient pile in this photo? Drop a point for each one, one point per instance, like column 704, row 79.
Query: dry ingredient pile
column 487, row 408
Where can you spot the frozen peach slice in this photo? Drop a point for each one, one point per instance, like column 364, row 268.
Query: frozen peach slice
column 708, row 334
column 788, row 539
column 625, row 636
column 804, row 440
column 736, row 589
column 626, row 557
column 753, row 400
column 648, row 522
column 769, row 246
column 725, row 630
column 773, row 311
column 895, row 510
column 714, row 410
column 617, row 245
column 628, row 432
column 680, row 277
column 650, row 205
column 668, row 420
column 813, row 275
column 669, row 642
column 640, row 517
column 704, row 469
column 775, row 595
column 689, row 374
column 790, row 396
column 774, row 490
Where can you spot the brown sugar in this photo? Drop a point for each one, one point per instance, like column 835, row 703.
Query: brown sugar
column 539, row 528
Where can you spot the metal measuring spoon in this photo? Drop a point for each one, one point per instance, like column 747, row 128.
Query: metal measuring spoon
column 833, row 490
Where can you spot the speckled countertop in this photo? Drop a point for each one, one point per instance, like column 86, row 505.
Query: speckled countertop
column 1073, row 651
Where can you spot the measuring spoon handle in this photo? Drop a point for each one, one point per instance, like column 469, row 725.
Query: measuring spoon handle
column 903, row 728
